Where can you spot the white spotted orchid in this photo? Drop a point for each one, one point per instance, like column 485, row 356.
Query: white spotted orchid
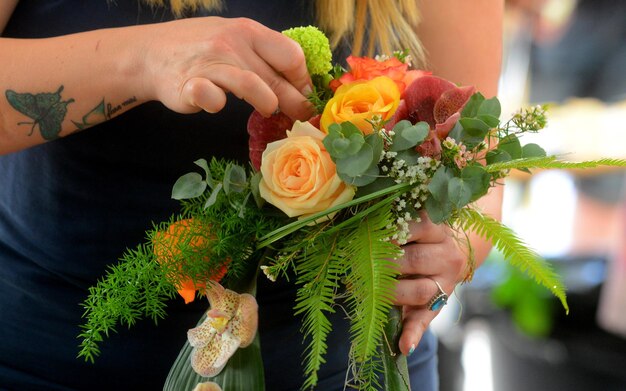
column 231, row 323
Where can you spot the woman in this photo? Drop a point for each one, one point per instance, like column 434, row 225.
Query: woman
column 154, row 96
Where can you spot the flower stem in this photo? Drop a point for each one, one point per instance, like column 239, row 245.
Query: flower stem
column 395, row 366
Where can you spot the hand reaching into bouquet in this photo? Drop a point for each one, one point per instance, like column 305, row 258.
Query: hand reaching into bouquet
column 195, row 62
column 432, row 256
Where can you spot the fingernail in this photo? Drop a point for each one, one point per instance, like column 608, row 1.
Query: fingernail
column 306, row 90
column 412, row 349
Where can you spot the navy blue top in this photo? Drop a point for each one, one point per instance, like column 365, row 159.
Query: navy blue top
column 70, row 207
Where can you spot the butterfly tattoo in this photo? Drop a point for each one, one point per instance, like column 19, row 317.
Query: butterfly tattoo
column 47, row 111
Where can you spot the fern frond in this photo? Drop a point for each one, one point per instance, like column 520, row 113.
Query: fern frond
column 371, row 279
column 319, row 270
column 135, row 288
column 514, row 250
column 552, row 162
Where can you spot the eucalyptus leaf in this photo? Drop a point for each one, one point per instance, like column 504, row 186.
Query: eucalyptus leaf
column 459, row 192
column 511, row 145
column 213, row 197
column 254, row 187
column 408, row 136
column 202, row 163
column 357, row 164
column 410, row 156
column 532, row 150
column 188, row 186
column 497, row 156
column 478, row 179
column 234, row 179
column 475, row 127
column 376, row 142
column 348, row 129
column 379, row 183
column 438, row 212
column 489, row 120
column 457, row 132
column 473, row 104
column 339, row 147
column 438, row 185
column 369, row 176
column 490, row 107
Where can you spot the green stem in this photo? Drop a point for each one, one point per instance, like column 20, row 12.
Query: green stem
column 396, row 371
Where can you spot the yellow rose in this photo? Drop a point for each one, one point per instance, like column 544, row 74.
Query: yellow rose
column 359, row 101
column 299, row 176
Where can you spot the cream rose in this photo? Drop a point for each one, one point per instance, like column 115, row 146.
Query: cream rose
column 299, row 176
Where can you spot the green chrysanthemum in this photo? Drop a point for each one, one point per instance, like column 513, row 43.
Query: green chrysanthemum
column 316, row 48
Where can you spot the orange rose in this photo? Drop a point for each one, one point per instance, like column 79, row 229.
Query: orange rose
column 367, row 68
column 299, row 177
column 358, row 102
column 167, row 249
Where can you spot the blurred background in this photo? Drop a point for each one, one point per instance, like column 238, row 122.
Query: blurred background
column 502, row 331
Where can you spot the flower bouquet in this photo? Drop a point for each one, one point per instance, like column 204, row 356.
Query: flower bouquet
column 326, row 203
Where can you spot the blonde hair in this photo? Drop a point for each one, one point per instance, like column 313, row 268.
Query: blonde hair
column 382, row 26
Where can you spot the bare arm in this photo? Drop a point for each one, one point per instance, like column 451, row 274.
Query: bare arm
column 52, row 87
column 463, row 41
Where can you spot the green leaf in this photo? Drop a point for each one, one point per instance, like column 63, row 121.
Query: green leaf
column 474, row 127
column 438, row 185
column 408, row 136
column 205, row 166
column 478, row 180
column 363, row 179
column 497, row 156
column 343, row 140
column 514, row 250
column 188, row 186
column 438, row 211
column 532, row 150
column 319, row 270
column 371, row 279
column 378, row 184
column 511, row 145
column 235, row 179
column 213, row 197
column 395, row 371
column 376, row 142
column 551, row 162
column 357, row 164
column 473, row 104
column 459, row 192
column 490, row 120
column 254, row 187
column 410, row 156
column 490, row 107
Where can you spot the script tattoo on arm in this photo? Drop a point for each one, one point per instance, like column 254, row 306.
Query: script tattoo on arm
column 93, row 117
column 46, row 110
column 102, row 112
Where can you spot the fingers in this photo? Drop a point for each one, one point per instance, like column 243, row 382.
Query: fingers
column 200, row 93
column 290, row 99
column 246, row 85
column 426, row 231
column 415, row 292
column 285, row 56
column 424, row 259
column 414, row 325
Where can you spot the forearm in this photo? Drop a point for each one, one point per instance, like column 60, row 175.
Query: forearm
column 56, row 86
column 464, row 45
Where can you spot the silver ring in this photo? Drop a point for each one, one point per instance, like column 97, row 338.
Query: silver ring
column 439, row 299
